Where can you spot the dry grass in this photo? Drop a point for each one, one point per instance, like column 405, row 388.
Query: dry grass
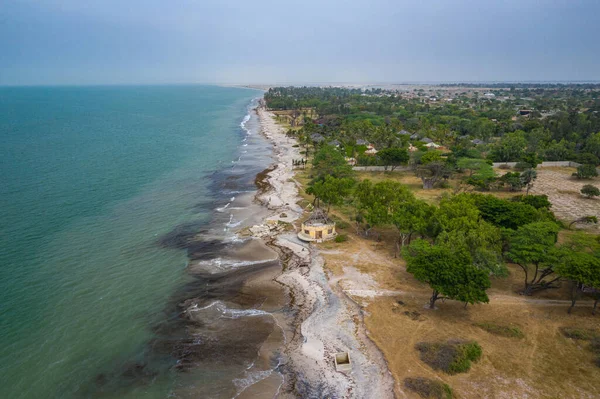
column 542, row 364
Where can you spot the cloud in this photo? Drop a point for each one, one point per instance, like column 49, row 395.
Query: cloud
column 151, row 41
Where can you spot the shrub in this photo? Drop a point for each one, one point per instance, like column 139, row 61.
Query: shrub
column 466, row 353
column 536, row 201
column 500, row 330
column 342, row 225
column 504, row 166
column 588, row 158
column 453, row 357
column 341, row 238
column 428, row 389
column 522, row 165
column 582, row 334
column 586, row 171
column 590, row 191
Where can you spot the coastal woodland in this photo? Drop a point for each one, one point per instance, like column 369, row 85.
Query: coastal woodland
column 474, row 213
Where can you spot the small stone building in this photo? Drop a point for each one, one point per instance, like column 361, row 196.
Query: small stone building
column 318, row 227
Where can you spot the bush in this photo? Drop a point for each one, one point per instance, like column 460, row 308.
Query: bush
column 586, row 171
column 453, row 357
column 522, row 165
column 504, row 166
column 466, row 353
column 581, row 334
column 428, row 389
column 588, row 158
column 502, row 331
column 341, row 238
column 342, row 225
column 536, row 201
column 590, row 191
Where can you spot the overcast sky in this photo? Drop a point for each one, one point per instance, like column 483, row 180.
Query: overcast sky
column 285, row 41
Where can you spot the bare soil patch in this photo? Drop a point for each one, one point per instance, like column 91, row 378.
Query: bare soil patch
column 564, row 193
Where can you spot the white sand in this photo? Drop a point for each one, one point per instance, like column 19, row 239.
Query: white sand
column 325, row 314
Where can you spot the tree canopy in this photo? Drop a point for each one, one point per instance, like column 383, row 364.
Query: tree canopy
column 450, row 273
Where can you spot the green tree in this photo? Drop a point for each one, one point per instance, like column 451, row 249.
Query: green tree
column 586, row 171
column 590, row 191
column 455, row 213
column 328, row 161
column 536, row 201
column 504, row 213
column 376, row 202
column 432, row 173
column 472, row 165
column 410, row 217
column 532, row 247
column 484, row 244
column 512, row 180
column 449, row 273
column 527, row 178
column 510, row 148
column 593, row 144
column 582, row 269
column 331, row 190
column 393, row 157
column 482, row 174
column 430, row 156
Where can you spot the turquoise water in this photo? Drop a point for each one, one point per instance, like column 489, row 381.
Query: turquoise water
column 90, row 177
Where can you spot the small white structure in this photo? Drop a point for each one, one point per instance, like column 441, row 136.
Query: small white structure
column 342, row 362
column 350, row 161
column 432, row 145
column 371, row 150
column 317, row 228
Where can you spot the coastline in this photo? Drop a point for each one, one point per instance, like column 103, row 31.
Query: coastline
column 326, row 320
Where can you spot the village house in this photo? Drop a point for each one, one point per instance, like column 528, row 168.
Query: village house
column 317, row 138
column 371, row 150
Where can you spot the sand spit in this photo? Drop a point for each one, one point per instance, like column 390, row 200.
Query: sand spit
column 326, row 319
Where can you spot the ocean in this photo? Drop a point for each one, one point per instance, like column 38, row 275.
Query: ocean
column 120, row 275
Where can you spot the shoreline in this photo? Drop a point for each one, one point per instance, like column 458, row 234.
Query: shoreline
column 326, row 320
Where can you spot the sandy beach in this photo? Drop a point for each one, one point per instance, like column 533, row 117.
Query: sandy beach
column 326, row 319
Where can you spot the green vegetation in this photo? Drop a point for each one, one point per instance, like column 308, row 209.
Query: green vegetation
column 590, row 191
column 532, row 247
column 586, row 171
column 341, row 238
column 500, row 330
column 564, row 122
column 580, row 334
column 428, row 389
column 453, row 357
column 455, row 245
column 449, row 272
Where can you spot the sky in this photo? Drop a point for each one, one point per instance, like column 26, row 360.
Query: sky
column 287, row 41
